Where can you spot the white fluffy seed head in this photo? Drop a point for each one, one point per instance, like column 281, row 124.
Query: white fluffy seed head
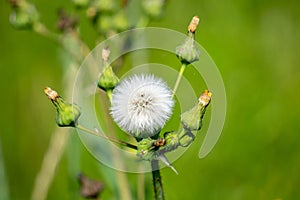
column 141, row 105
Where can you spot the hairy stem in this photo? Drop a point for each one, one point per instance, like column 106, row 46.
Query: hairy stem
column 183, row 66
column 157, row 181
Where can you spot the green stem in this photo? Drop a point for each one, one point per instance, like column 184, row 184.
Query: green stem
column 157, row 181
column 42, row 30
column 109, row 94
column 115, row 140
column 183, row 66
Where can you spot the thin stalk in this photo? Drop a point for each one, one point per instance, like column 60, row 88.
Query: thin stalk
column 141, row 186
column 112, row 139
column 109, row 94
column 122, row 180
column 157, row 181
column 50, row 162
column 182, row 68
column 44, row 31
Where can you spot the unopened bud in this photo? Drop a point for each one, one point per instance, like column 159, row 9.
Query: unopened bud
column 186, row 137
column 24, row 15
column 193, row 24
column 153, row 8
column 108, row 80
column 188, row 52
column 106, row 6
column 67, row 114
column 120, row 22
column 192, row 119
column 145, row 149
column 91, row 13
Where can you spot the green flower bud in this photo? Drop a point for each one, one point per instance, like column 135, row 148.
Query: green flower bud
column 120, row 21
column 192, row 119
column 104, row 24
column 153, row 8
column 67, row 114
column 106, row 5
column 108, row 80
column 145, row 149
column 24, row 15
column 186, row 137
column 188, row 52
column 172, row 141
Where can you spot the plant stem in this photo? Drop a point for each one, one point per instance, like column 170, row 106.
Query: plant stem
column 124, row 190
column 115, row 140
column 109, row 94
column 157, row 181
column 182, row 68
column 42, row 30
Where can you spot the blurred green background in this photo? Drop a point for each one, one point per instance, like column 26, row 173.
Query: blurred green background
column 255, row 44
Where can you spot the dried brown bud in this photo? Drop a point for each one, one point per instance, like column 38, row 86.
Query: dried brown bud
column 51, row 94
column 205, row 97
column 193, row 25
column 159, row 142
column 89, row 188
column 66, row 22
column 105, row 54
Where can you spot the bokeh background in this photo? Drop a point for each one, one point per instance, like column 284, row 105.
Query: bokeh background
column 256, row 46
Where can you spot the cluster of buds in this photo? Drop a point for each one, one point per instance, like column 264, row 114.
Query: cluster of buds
column 191, row 120
column 188, row 52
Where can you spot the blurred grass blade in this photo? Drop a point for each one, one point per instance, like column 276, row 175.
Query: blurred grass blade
column 4, row 190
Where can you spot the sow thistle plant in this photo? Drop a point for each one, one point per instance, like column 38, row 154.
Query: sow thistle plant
column 141, row 105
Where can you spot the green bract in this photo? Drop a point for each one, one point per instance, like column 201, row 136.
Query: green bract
column 24, row 16
column 188, row 52
column 192, row 119
column 67, row 114
column 108, row 80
